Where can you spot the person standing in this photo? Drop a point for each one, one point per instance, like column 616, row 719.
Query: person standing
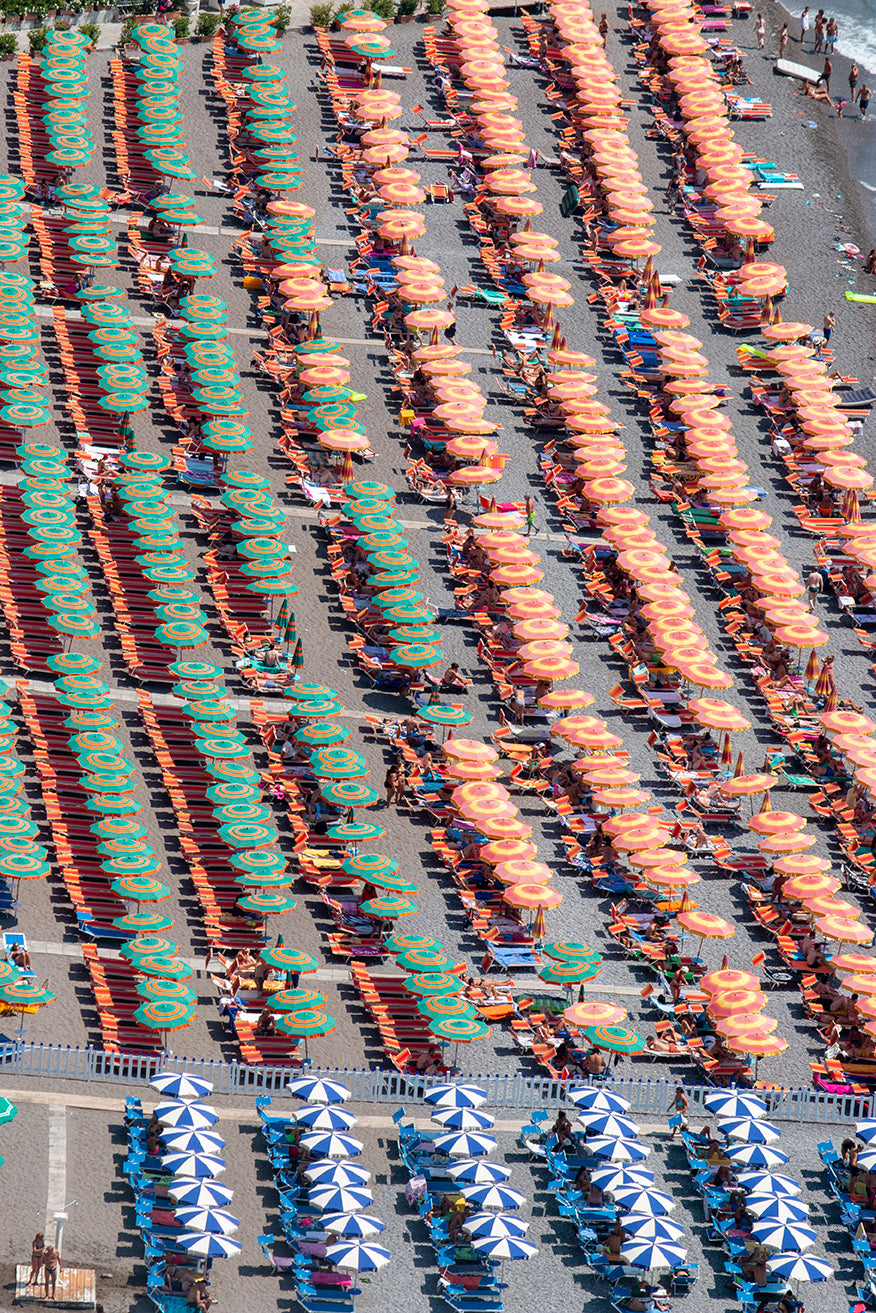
column 829, row 324
column 853, row 83
column 603, row 29
column 813, row 588
column 783, row 41
column 804, row 26
column 863, row 106
column 678, row 1107
column 825, row 77
column 529, row 511
column 759, row 31
column 832, row 34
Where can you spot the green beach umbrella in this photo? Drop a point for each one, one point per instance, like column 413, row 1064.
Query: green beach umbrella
column 297, row 1000
column 241, row 835
column 23, row 866
column 615, row 1039
column 349, row 793
column 164, row 1014
column 283, row 958
column 433, row 986
column 143, row 923
column 155, row 990
column 267, row 903
column 322, row 733
column 258, row 862
column 446, row 1007
column 355, row 832
column 306, row 1023
column 388, row 906
column 140, row 889
column 223, row 794
column 459, row 1029
column 165, row 968
column 21, row 993
column 444, row 715
column 152, row 946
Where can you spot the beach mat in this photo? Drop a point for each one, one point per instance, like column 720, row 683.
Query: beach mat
column 867, row 298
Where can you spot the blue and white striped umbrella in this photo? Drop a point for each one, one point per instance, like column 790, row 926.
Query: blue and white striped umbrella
column 193, row 1141
column 357, row 1256
column 493, row 1196
column 645, row 1227
column 597, row 1100
column 784, row 1235
column 340, row 1198
column 613, row 1178
column 756, row 1155
column 609, row 1123
column 735, row 1103
column 471, row 1144
column 187, row 1116
column 653, row 1254
column 464, row 1119
column 866, row 1130
column 214, row 1220
column 352, row 1224
column 325, row 1172
column 799, row 1267
column 331, row 1144
column 867, row 1158
column 502, row 1247
column 776, row 1208
column 208, row 1245
column 320, row 1117
column 478, row 1173
column 749, row 1130
column 456, row 1096
column 199, row 1194
column 318, row 1091
column 192, row 1164
column 637, row 1199
column 495, row 1224
column 618, row 1150
column 769, row 1183
column 176, row 1086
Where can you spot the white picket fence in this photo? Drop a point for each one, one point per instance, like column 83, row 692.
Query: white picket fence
column 513, row 1093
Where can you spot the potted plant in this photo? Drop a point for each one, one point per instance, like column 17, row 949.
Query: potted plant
column 8, row 45
column 182, row 25
column 92, row 31
column 37, row 38
column 207, row 26
column 406, row 10
column 281, row 18
column 321, row 15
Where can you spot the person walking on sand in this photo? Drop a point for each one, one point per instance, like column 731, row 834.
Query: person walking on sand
column 529, row 511
column 863, row 106
column 829, row 325
column 853, row 83
column 813, row 588
column 804, row 26
column 678, row 1107
column 783, row 41
column 825, row 77
column 760, row 31
column 603, row 29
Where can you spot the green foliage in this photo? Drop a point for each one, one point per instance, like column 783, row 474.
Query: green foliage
column 434, row 6
column 384, row 9
column 281, row 18
column 92, row 31
column 128, row 28
column 8, row 45
column 407, row 7
column 37, row 37
column 208, row 25
column 321, row 15
column 182, row 26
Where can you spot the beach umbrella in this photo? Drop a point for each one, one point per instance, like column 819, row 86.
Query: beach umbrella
column 799, row 1267
column 776, row 1208
column 642, row 1199
column 784, row 1235
column 455, row 1096
column 208, row 1245
column 645, row 1227
column 736, row 1103
column 616, row 1178
column 357, row 1256
column 158, row 990
column 617, row 1150
column 187, row 1115
column 756, row 1155
column 340, row 1198
column 465, row 1143
column 463, row 1119
column 504, row 1247
column 199, row 1193
column 610, row 1124
column 352, row 1224
column 193, row 1141
column 615, row 1039
column 594, row 1100
column 773, row 1183
column 653, row 1255
column 332, row 1144
column 208, row 1219
column 197, row 1165
column 493, row 1196
column 321, row 1117
column 495, row 1224
column 747, row 1129
column 325, row 1171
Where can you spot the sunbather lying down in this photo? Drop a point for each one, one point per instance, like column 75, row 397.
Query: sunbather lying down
column 495, row 991
column 664, row 1044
